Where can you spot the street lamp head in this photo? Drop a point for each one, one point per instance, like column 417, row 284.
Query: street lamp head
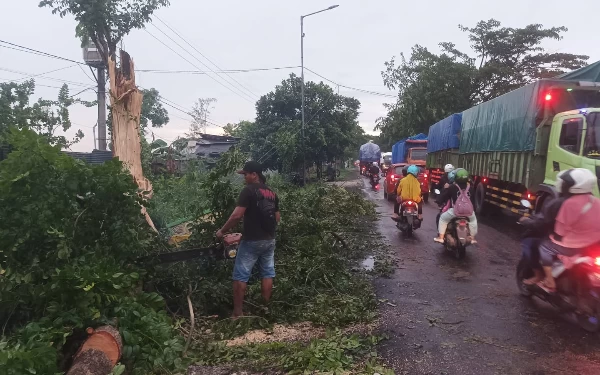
column 333, row 6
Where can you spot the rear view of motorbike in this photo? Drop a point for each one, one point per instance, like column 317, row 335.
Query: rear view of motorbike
column 577, row 285
column 409, row 218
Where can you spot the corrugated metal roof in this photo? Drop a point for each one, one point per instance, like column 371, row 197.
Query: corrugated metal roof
column 94, row 157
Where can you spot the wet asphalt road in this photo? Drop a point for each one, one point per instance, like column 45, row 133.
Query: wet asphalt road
column 445, row 316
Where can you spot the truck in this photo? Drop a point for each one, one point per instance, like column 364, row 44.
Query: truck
column 367, row 155
column 411, row 150
column 442, row 147
column 514, row 145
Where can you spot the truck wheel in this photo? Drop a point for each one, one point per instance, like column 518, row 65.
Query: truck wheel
column 385, row 194
column 426, row 197
column 391, row 197
column 480, row 205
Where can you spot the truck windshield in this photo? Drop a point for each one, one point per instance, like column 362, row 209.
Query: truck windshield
column 592, row 139
column 418, row 154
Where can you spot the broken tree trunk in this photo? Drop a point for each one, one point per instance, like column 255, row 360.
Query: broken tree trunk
column 99, row 353
column 126, row 108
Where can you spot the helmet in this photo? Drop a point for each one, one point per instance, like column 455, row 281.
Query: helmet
column 413, row 169
column 575, row 181
column 448, row 168
column 460, row 175
column 451, row 176
column 375, row 163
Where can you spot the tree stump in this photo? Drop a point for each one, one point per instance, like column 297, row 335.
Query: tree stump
column 99, row 353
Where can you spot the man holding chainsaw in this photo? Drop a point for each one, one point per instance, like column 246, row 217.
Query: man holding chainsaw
column 259, row 207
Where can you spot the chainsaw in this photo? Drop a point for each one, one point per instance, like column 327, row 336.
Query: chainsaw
column 225, row 249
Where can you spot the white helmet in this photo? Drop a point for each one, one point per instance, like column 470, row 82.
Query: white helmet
column 375, row 163
column 448, row 168
column 576, row 181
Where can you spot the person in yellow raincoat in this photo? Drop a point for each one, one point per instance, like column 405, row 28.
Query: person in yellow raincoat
column 409, row 188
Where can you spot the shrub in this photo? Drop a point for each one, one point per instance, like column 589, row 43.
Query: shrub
column 69, row 233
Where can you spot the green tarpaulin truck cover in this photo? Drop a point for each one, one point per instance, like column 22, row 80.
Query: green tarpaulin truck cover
column 506, row 123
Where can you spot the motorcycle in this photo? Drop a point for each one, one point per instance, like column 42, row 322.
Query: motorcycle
column 457, row 236
column 408, row 219
column 577, row 285
column 375, row 182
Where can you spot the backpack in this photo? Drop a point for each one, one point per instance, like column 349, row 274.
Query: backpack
column 463, row 205
column 265, row 203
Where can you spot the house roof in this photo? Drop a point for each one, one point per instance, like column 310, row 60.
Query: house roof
column 94, row 157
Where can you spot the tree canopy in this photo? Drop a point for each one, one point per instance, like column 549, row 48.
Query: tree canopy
column 105, row 22
column 275, row 138
column 433, row 86
column 45, row 117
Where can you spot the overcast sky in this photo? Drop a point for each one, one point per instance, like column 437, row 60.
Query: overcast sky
column 348, row 45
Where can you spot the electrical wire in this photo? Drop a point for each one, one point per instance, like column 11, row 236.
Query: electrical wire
column 48, row 78
column 163, row 71
column 37, row 52
column 204, row 56
column 352, row 88
column 241, row 95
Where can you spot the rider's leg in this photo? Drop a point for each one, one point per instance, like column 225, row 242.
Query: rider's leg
column 473, row 227
column 445, row 219
column 396, row 209
column 420, row 210
column 548, row 252
column 530, row 251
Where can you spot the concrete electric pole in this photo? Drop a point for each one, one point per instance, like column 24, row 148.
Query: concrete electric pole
column 92, row 57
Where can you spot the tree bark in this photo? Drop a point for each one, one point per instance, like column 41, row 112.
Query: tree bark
column 126, row 108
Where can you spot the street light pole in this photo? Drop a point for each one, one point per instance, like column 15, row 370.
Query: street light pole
column 302, row 87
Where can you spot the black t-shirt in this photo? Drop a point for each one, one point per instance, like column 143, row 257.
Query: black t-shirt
column 253, row 229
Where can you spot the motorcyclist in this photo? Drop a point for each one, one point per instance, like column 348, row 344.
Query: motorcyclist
column 373, row 171
column 577, row 226
column 537, row 228
column 409, row 188
column 461, row 182
column 396, row 203
column 444, row 182
column 446, row 204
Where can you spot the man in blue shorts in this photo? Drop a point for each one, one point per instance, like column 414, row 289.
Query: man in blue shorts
column 259, row 207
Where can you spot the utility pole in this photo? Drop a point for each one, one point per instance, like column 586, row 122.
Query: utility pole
column 92, row 57
column 302, row 94
column 302, row 88
column 101, row 108
column 94, row 130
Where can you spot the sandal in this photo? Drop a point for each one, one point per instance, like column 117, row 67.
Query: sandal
column 542, row 285
column 438, row 240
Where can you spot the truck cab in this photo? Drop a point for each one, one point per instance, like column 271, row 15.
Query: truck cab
column 574, row 143
column 417, row 155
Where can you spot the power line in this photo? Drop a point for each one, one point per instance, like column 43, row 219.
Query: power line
column 185, row 110
column 37, row 52
column 48, row 78
column 240, row 94
column 42, row 74
column 162, row 71
column 352, row 88
column 201, row 54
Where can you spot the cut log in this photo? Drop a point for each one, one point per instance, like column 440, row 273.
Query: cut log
column 126, row 108
column 99, row 353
